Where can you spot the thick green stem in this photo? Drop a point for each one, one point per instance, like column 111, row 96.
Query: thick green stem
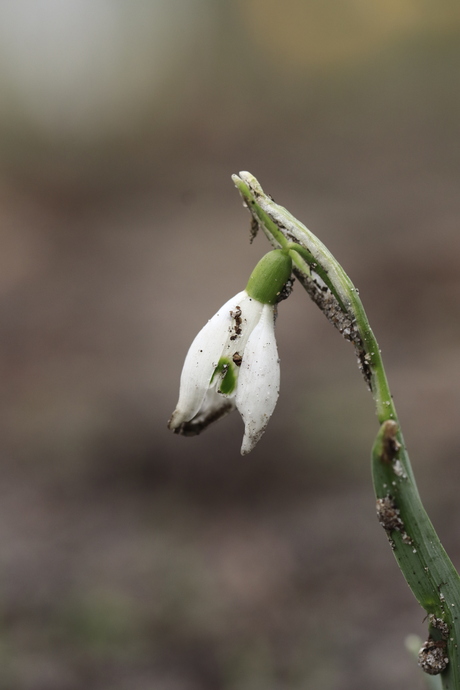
column 423, row 561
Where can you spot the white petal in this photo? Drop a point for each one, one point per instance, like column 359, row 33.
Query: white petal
column 259, row 380
column 242, row 319
column 211, row 343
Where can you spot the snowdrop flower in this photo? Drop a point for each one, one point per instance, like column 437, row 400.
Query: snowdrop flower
column 233, row 361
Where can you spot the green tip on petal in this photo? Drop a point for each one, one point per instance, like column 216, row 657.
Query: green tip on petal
column 226, row 369
column 270, row 276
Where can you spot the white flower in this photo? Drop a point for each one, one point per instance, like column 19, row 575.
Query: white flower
column 233, row 362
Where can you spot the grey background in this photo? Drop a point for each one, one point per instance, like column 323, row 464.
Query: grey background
column 131, row 558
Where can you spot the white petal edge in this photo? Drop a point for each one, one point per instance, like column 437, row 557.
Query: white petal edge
column 214, row 407
column 259, row 380
column 201, row 360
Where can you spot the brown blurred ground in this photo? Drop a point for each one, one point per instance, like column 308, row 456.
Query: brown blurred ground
column 131, row 558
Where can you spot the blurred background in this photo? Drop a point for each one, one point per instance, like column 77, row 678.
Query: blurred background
column 133, row 558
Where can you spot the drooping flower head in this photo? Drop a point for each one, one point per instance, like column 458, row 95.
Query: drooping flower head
column 233, row 361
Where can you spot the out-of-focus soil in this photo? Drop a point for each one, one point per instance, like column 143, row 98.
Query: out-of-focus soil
column 132, row 558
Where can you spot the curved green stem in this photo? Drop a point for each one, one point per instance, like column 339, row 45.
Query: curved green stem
column 423, row 561
column 277, row 238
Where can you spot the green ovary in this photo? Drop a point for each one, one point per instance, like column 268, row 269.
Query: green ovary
column 270, row 276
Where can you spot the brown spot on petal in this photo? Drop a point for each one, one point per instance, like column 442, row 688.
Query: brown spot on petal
column 236, row 316
column 237, row 359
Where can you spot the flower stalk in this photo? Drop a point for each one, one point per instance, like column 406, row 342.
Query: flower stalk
column 423, row 561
